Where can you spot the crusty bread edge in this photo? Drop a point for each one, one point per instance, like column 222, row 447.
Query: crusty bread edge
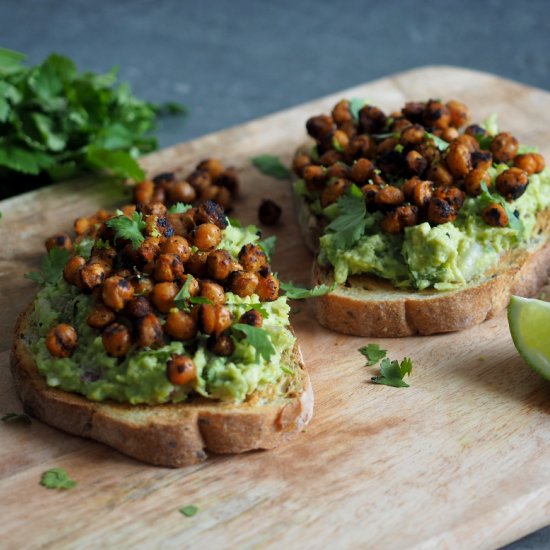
column 172, row 435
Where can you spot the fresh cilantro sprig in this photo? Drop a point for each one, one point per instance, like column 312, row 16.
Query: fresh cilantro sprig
column 373, row 353
column 271, row 165
column 300, row 293
column 257, row 338
column 179, row 208
column 19, row 418
column 183, row 299
column 355, row 105
column 128, row 228
column 57, row 478
column 58, row 123
column 393, row 372
column 441, row 144
column 51, row 267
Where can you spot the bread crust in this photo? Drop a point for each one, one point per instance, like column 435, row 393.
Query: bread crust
column 171, row 435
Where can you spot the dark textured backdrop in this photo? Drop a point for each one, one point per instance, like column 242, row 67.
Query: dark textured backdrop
column 234, row 60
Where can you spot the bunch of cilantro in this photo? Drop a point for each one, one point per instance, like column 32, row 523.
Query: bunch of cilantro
column 57, row 123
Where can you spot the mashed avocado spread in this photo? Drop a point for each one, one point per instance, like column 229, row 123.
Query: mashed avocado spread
column 140, row 376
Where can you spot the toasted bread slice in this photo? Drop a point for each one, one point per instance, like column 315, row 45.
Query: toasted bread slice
column 172, row 434
column 371, row 306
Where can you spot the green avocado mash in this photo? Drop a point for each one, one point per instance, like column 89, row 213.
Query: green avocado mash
column 445, row 256
column 140, row 376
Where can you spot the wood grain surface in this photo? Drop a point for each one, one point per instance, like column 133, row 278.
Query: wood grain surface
column 459, row 459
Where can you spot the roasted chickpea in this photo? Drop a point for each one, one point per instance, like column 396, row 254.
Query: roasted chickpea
column 149, row 331
column 494, row 214
column 314, row 177
column 139, row 307
column 164, row 179
column 177, row 245
column 460, row 113
column 422, row 193
column 412, row 135
column 370, row 190
column 473, row 181
column 413, row 111
column 430, row 152
column 361, row 171
column 214, row 319
column 504, row 147
column 163, row 295
column 148, row 251
column 361, row 146
column 181, row 191
column 459, row 159
column 224, row 198
column 386, row 146
column 338, row 170
column 449, row 134
column 199, row 180
column 242, row 283
column 252, row 317
column 72, row 269
column 340, row 140
column 300, row 161
column 331, row 156
column 228, row 179
column 100, row 316
column 62, row 340
column 475, row 130
column 196, row 265
column 212, row 291
column 319, row 127
column 453, row 195
column 60, row 240
column 143, row 192
column 180, row 325
column 220, row 264
column 268, row 286
column 91, row 275
column 252, row 258
column 341, row 112
column 371, row 119
column 396, row 220
column 400, row 124
column 416, row 162
column 512, row 183
column 142, row 284
column 210, row 212
column 116, row 340
column 333, row 191
column 468, row 141
column 83, row 225
column 440, row 211
column 221, row 345
column 117, row 292
column 532, row 163
column 181, row 370
column 183, row 223
column 168, row 267
column 437, row 115
column 207, row 236
column 482, row 159
column 389, row 196
column 439, row 175
column 213, row 166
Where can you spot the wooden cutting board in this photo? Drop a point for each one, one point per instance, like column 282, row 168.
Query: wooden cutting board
column 459, row 459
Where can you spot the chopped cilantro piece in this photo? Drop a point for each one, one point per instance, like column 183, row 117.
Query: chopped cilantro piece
column 373, row 353
column 355, row 105
column 129, row 228
column 57, row 478
column 270, row 165
column 51, row 267
column 183, row 295
column 300, row 293
column 17, row 418
column 258, row 338
column 441, row 144
column 392, row 373
column 84, row 247
column 189, row 511
column 179, row 208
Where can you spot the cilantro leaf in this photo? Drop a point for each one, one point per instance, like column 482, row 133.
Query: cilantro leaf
column 441, row 144
column 51, row 267
column 258, row 338
column 300, row 293
column 200, row 300
column 179, row 208
column 119, row 162
column 484, row 141
column 183, row 295
column 129, row 228
column 234, row 222
column 17, row 418
column 57, row 478
column 189, row 511
column 392, row 373
column 84, row 247
column 355, row 105
column 373, row 353
column 350, row 224
column 270, row 165
column 268, row 245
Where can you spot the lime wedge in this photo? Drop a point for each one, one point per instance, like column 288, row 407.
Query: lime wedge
column 529, row 322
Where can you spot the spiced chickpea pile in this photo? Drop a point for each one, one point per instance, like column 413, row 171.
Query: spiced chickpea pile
column 134, row 289
column 403, row 169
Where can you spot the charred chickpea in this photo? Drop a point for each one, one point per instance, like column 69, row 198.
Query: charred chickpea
column 371, row 119
column 350, row 128
column 143, row 192
column 333, row 191
column 168, row 267
column 401, row 124
column 224, row 198
column 361, row 171
column 408, row 187
column 319, row 127
column 474, row 180
column 207, row 236
column 440, row 211
column 242, row 283
column 437, row 115
column 143, row 285
column 459, row 159
column 219, row 264
column 413, row 110
column 341, row 112
column 210, row 212
column 213, row 166
column 396, row 220
column 339, row 170
column 72, row 269
column 253, row 318
column 163, row 295
column 139, row 307
column 228, row 179
column 482, row 159
column 117, row 292
column 504, row 147
column 180, row 325
column 100, row 316
column 449, row 134
column 429, row 152
column 386, row 146
column 412, row 135
column 468, row 141
column 62, row 340
column 116, row 340
column 60, row 240
column 361, row 146
column 149, row 331
column 300, row 161
column 221, row 345
column 83, row 225
column 416, row 162
column 177, row 245
column 370, row 190
column 330, row 157
column 180, row 370
column 512, row 183
column 532, row 163
column 422, row 193
column 494, row 214
column 147, row 251
column 196, row 265
column 182, row 191
column 475, row 130
column 389, row 196
column 268, row 286
column 460, row 113
column 439, row 175
column 199, row 180
column 91, row 275
column 314, row 176
column 183, row 223
column 340, row 140
column 252, row 258
column 214, row 319
column 453, row 195
column 212, row 291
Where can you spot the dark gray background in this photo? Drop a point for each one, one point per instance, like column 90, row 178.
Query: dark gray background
column 233, row 61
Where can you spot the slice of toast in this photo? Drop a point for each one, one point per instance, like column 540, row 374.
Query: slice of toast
column 172, row 434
